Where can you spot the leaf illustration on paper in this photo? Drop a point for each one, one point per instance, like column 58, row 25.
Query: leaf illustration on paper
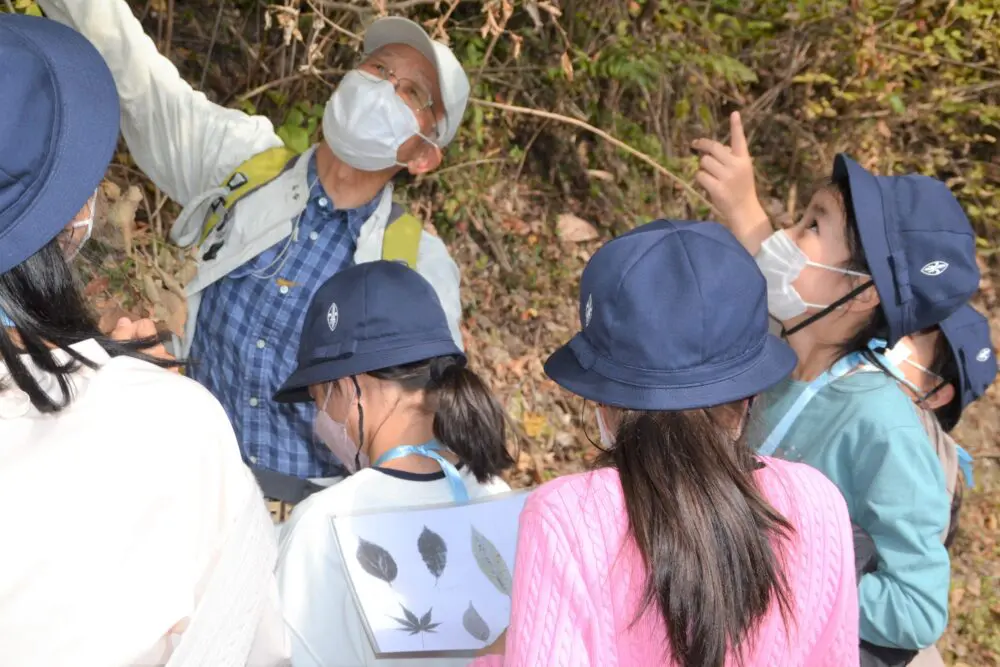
column 415, row 625
column 376, row 561
column 434, row 551
column 474, row 624
column 491, row 562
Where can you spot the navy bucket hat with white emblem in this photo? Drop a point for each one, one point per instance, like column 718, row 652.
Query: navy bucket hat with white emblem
column 59, row 119
column 674, row 317
column 368, row 317
column 919, row 245
column 968, row 335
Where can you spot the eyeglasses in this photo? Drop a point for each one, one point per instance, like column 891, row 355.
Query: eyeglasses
column 413, row 94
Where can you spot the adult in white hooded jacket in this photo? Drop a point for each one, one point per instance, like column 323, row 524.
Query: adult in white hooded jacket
column 260, row 265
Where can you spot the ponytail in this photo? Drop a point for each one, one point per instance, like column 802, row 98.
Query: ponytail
column 468, row 419
column 703, row 528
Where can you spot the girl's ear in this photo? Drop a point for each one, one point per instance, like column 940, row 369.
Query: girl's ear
column 941, row 397
column 866, row 301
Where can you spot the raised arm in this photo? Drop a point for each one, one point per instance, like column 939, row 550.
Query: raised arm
column 726, row 174
column 182, row 141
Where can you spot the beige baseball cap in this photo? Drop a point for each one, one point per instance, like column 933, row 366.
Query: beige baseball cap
column 453, row 81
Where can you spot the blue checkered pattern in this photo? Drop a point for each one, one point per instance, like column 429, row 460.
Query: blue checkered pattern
column 248, row 331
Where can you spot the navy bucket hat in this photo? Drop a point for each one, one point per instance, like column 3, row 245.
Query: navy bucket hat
column 367, row 317
column 59, row 119
column 674, row 317
column 968, row 335
column 919, row 245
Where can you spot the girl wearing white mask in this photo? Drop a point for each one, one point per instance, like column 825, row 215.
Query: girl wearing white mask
column 404, row 416
column 872, row 259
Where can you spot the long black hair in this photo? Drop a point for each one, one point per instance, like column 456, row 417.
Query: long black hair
column 43, row 298
column 709, row 539
column 468, row 419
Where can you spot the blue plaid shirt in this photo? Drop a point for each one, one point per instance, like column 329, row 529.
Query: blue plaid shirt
column 247, row 337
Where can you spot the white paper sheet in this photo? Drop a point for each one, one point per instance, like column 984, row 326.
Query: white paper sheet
column 433, row 580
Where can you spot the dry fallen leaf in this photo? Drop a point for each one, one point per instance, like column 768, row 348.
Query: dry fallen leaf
column 122, row 215
column 534, row 424
column 567, row 66
column 175, row 312
column 575, row 229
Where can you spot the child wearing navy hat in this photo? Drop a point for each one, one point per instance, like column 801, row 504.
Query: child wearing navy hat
column 682, row 547
column 873, row 259
column 944, row 369
column 140, row 537
column 403, row 414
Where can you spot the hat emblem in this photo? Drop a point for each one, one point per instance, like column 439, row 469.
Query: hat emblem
column 935, row 268
column 983, row 355
column 332, row 317
column 588, row 310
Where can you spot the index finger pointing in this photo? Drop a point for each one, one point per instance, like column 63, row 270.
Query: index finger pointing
column 737, row 138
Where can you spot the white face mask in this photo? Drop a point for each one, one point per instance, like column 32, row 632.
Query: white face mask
column 900, row 355
column 781, row 262
column 334, row 435
column 606, row 438
column 366, row 122
column 87, row 222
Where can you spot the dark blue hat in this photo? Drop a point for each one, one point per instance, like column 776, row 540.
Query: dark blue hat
column 59, row 120
column 968, row 336
column 367, row 317
column 674, row 317
column 918, row 243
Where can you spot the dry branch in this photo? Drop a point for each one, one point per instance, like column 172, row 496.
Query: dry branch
column 603, row 135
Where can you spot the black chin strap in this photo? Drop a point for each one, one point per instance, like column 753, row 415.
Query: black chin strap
column 361, row 425
column 785, row 333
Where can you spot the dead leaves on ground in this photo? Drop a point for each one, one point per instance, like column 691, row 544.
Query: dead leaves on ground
column 152, row 282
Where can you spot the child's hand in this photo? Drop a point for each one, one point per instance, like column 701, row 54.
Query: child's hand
column 726, row 173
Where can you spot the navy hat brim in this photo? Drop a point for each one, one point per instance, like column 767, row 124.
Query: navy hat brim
column 296, row 388
column 772, row 363
column 866, row 196
column 87, row 121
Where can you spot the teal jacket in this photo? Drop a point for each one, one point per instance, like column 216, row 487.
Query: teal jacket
column 864, row 434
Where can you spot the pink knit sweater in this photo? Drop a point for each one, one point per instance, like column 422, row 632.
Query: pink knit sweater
column 578, row 580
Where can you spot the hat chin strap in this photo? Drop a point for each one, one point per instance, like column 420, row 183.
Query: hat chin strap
column 785, row 333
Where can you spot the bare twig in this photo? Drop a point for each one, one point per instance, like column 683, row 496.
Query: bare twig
column 332, row 24
column 603, row 135
column 168, row 39
column 366, row 8
column 464, row 165
column 921, row 54
column 496, row 37
column 285, row 79
column 10, row 6
column 211, row 43
column 444, row 19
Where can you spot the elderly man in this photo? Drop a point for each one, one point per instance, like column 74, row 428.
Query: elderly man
column 272, row 226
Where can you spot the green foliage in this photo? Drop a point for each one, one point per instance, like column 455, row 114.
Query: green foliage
column 299, row 130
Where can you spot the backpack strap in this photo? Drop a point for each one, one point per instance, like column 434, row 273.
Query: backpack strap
column 249, row 176
column 401, row 242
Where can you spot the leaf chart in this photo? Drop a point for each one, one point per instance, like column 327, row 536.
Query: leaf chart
column 432, row 582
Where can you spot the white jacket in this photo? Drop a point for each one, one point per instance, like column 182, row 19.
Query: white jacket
column 188, row 145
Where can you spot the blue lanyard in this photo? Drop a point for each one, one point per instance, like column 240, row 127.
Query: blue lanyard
column 838, row 370
column 430, row 450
